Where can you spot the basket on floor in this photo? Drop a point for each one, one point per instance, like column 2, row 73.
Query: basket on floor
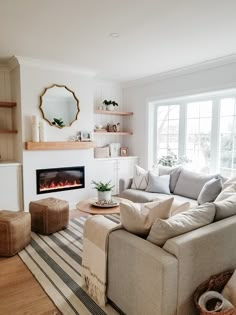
column 214, row 283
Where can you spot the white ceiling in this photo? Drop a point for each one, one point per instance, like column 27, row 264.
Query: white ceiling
column 155, row 35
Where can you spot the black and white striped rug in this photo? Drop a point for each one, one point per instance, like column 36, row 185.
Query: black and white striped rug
column 55, row 261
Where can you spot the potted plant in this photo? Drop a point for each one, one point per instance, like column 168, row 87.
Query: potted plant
column 103, row 189
column 110, row 105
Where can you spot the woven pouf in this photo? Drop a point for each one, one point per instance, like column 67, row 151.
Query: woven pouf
column 15, row 231
column 49, row 215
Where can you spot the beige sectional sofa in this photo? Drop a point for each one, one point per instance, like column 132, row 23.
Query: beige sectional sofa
column 144, row 278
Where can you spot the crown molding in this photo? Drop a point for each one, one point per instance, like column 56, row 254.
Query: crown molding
column 46, row 64
column 210, row 64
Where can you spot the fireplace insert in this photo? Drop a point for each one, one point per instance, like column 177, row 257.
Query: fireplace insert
column 59, row 179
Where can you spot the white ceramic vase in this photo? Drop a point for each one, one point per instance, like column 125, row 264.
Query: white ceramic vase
column 110, row 107
column 104, row 195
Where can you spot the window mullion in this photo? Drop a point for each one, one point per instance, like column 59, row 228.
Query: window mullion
column 215, row 135
column 182, row 129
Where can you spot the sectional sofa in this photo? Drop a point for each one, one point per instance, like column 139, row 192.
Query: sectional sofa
column 144, row 278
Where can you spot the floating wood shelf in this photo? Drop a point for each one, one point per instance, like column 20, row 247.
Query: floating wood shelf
column 8, row 131
column 8, row 104
column 120, row 133
column 62, row 145
column 113, row 112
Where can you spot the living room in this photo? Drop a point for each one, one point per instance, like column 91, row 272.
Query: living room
column 181, row 53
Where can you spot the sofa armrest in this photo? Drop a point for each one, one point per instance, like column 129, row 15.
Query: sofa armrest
column 202, row 253
column 142, row 277
column 124, row 183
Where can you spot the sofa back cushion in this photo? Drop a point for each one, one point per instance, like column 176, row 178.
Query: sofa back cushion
column 162, row 230
column 174, row 173
column 138, row 220
column 210, row 191
column 225, row 208
column 227, row 192
column 190, row 184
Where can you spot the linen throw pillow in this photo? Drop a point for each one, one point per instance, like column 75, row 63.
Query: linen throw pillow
column 139, row 221
column 140, row 181
column 162, row 230
column 158, row 184
column 174, row 173
column 210, row 191
column 227, row 192
column 225, row 208
column 178, row 207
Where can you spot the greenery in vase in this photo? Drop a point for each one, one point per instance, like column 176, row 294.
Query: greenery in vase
column 106, row 102
column 100, row 186
column 58, row 122
column 168, row 160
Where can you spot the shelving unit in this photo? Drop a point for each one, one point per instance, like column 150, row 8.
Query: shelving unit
column 61, row 145
column 8, row 105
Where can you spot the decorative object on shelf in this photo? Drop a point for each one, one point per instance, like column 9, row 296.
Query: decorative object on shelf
column 118, row 127
column 114, row 127
column 114, row 149
column 109, row 128
column 35, row 128
column 102, row 152
column 110, row 105
column 123, row 151
column 59, row 101
column 103, row 189
column 86, row 135
column 42, row 131
column 58, row 122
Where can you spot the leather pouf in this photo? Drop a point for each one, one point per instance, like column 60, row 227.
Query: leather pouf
column 49, row 215
column 15, row 231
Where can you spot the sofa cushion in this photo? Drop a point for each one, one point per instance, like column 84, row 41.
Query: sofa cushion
column 159, row 184
column 229, row 182
column 210, row 191
column 174, row 173
column 162, row 230
column 225, row 208
column 190, row 184
column 227, row 192
column 178, row 207
column 139, row 221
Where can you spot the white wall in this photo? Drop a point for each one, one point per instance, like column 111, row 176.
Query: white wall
column 33, row 80
column 189, row 81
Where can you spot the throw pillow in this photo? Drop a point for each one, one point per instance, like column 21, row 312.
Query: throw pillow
column 162, row 230
column 139, row 221
column 158, row 184
column 225, row 208
column 178, row 207
column 174, row 173
column 140, row 182
column 190, row 184
column 139, row 170
column 210, row 191
column 229, row 182
column 227, row 192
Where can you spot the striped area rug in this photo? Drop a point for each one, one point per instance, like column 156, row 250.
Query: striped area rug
column 55, row 261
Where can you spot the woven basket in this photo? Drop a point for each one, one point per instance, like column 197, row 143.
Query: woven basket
column 214, row 283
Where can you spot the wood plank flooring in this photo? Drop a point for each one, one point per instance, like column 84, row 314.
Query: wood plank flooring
column 20, row 293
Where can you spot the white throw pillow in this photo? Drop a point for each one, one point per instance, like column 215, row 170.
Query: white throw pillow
column 227, row 192
column 162, row 230
column 210, row 191
column 158, row 184
column 139, row 221
column 139, row 170
column 140, row 182
column 225, row 208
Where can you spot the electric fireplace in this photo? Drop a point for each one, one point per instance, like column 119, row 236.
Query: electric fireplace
column 59, row 179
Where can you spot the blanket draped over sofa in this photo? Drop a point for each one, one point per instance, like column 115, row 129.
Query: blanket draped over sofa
column 94, row 261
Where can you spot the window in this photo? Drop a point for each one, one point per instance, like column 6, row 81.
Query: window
column 201, row 128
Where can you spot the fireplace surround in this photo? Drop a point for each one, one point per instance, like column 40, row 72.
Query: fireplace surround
column 60, row 179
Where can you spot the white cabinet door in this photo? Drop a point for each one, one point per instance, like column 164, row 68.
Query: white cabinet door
column 10, row 187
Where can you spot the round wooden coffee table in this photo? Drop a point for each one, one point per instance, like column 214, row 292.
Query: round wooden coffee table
column 86, row 206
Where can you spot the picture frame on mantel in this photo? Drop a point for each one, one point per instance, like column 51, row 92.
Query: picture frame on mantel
column 124, row 151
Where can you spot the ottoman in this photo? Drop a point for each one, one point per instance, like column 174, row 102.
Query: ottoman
column 15, row 231
column 49, row 215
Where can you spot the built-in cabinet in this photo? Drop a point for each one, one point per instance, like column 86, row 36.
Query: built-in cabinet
column 11, row 186
column 114, row 169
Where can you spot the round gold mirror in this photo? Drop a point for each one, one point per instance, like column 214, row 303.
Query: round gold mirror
column 59, row 106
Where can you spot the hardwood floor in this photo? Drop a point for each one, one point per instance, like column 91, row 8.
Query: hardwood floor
column 20, row 293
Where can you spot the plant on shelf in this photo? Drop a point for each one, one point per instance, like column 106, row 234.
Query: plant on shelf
column 110, row 105
column 104, row 190
column 58, row 122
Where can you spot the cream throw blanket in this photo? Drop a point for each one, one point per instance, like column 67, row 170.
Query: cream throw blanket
column 94, row 260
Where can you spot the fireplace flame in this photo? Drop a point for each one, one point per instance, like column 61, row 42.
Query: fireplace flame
column 59, row 185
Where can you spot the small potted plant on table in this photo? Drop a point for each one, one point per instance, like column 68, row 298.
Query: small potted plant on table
column 104, row 190
column 110, row 105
